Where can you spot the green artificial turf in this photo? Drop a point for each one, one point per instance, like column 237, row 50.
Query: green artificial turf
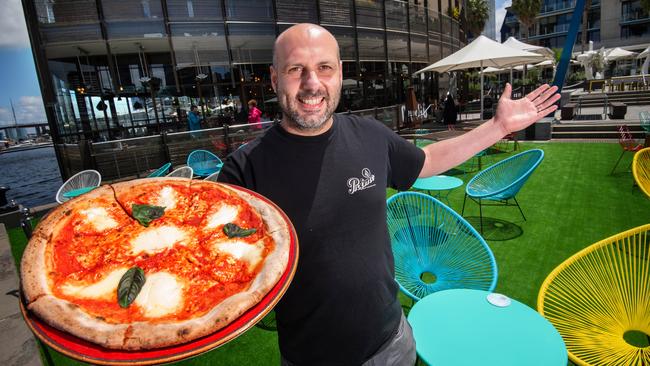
column 570, row 202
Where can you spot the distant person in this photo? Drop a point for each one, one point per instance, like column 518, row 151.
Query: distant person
column 194, row 119
column 254, row 115
column 450, row 112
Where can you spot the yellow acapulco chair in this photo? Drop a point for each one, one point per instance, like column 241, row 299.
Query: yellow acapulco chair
column 641, row 170
column 599, row 301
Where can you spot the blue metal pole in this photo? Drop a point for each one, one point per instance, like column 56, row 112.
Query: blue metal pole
column 571, row 37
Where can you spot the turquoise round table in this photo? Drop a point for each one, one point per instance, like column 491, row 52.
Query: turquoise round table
column 461, row 327
column 438, row 183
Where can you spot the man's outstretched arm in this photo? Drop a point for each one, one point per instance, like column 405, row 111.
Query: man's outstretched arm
column 511, row 116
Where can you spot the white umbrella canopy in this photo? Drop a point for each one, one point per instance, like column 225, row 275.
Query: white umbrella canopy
column 482, row 52
column 519, row 45
column 644, row 53
column 619, row 54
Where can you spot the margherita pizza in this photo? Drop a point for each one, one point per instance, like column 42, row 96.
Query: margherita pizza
column 153, row 262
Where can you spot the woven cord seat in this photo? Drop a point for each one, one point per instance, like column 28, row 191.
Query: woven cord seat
column 160, row 172
column 80, row 183
column 503, row 180
column 182, row 172
column 204, row 163
column 435, row 249
column 641, row 170
column 601, row 295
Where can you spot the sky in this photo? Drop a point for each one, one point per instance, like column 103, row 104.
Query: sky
column 18, row 81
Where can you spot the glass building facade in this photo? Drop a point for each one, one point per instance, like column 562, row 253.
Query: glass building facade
column 113, row 69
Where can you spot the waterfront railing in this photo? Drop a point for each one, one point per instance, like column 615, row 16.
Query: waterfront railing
column 136, row 157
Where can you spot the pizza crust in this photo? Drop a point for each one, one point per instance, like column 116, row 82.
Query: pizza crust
column 65, row 315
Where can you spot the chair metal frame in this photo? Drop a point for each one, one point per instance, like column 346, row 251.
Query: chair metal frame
column 628, row 144
column 598, row 295
column 212, row 177
column 503, row 193
column 83, row 179
column 182, row 172
column 641, row 170
column 428, row 237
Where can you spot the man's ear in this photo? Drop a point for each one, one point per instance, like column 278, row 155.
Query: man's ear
column 341, row 71
column 274, row 79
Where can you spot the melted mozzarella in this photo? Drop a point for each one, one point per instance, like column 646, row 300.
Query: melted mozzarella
column 224, row 215
column 99, row 218
column 250, row 253
column 167, row 198
column 104, row 289
column 161, row 294
column 155, row 239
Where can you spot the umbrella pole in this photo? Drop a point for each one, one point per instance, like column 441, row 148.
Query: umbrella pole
column 510, row 75
column 481, row 117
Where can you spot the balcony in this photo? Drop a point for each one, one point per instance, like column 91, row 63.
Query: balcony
column 557, row 6
column 634, row 16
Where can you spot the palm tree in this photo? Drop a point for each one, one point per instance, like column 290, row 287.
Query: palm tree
column 477, row 16
column 526, row 11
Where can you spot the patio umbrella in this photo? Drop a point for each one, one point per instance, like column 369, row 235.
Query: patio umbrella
column 482, row 52
column 519, row 45
column 619, row 54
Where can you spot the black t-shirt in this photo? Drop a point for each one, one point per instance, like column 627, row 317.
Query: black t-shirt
column 342, row 304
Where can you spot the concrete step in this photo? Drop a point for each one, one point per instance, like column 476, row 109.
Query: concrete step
column 597, row 127
column 614, row 135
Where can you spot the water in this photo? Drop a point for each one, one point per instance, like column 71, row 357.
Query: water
column 32, row 175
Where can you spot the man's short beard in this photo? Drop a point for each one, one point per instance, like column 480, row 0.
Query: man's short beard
column 313, row 123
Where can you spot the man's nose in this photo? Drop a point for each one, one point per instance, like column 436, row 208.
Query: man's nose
column 310, row 81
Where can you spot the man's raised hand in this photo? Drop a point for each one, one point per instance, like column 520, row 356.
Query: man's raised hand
column 514, row 115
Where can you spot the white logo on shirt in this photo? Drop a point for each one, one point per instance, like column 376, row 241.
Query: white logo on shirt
column 358, row 184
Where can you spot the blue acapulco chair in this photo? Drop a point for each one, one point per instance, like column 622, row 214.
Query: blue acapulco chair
column 502, row 181
column 435, row 249
column 80, row 183
column 160, row 172
column 204, row 162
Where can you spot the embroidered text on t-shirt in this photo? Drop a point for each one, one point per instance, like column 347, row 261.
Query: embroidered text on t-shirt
column 358, row 184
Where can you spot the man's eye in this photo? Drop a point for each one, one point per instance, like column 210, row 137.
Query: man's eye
column 326, row 67
column 294, row 70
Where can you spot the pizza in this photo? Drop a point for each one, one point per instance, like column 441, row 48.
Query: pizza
column 153, row 262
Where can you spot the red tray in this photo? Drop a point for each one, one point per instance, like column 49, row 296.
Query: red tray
column 83, row 350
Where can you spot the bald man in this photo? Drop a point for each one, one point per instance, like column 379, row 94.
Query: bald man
column 329, row 173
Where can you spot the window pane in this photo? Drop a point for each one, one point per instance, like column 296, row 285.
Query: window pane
column 199, row 44
column 253, row 10
column 345, row 38
column 251, row 43
column 61, row 12
column 296, row 11
column 435, row 53
column 396, row 15
column 418, row 48
column 434, row 22
column 397, row 46
column 130, row 19
column 371, row 45
column 370, row 13
column 194, row 10
column 336, row 12
column 418, row 18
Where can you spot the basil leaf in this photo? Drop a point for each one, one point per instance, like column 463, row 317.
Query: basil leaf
column 130, row 285
column 233, row 231
column 147, row 213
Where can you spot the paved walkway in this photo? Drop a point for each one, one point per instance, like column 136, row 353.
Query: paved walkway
column 17, row 344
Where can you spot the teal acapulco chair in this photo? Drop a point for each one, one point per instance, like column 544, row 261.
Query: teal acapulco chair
column 78, row 184
column 204, row 162
column 501, row 182
column 435, row 249
column 160, row 172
